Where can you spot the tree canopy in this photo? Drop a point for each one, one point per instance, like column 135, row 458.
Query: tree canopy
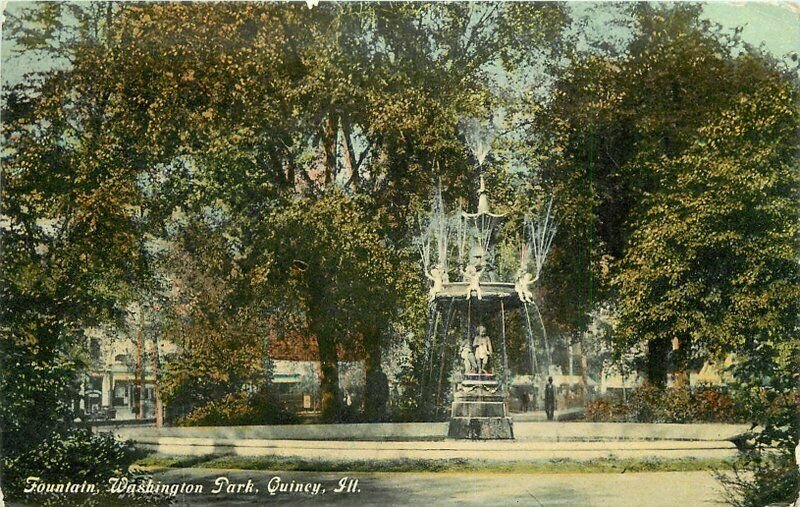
column 265, row 161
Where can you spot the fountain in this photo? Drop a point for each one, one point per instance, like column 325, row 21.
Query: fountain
column 467, row 318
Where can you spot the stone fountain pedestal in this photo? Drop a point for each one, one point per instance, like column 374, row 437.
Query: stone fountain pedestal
column 479, row 410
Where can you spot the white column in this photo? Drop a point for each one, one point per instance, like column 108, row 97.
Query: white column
column 82, row 400
column 106, row 389
column 570, row 367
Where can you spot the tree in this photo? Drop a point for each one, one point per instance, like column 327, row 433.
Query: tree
column 241, row 116
column 768, row 387
column 69, row 240
column 680, row 153
column 216, row 319
column 713, row 260
column 622, row 144
column 332, row 276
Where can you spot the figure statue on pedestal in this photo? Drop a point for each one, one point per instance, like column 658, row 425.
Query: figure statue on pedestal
column 470, row 364
column 523, row 286
column 438, row 277
column 473, row 277
column 483, row 348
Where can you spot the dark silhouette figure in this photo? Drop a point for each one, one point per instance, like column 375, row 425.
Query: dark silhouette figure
column 525, row 399
column 549, row 399
column 377, row 396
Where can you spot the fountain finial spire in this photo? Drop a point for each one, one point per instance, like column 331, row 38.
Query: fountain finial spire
column 483, row 199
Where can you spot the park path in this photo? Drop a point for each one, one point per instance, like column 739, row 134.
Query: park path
column 493, row 450
column 485, row 489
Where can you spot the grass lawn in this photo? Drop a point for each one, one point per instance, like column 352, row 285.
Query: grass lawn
column 601, row 465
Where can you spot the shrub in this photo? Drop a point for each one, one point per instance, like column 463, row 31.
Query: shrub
column 677, row 406
column 761, row 478
column 645, row 404
column 714, row 405
column 766, row 473
column 604, row 410
column 673, row 405
column 75, row 456
column 240, row 408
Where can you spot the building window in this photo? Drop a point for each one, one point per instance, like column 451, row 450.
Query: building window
column 94, row 348
column 120, row 395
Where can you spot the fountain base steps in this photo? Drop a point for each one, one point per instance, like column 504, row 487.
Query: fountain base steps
column 481, row 428
column 479, row 410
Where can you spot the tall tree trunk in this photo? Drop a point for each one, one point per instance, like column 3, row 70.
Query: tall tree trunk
column 157, row 397
column 377, row 385
column 680, row 355
column 329, row 148
column 329, row 382
column 657, row 353
column 349, row 154
column 584, row 370
column 140, row 362
column 291, row 178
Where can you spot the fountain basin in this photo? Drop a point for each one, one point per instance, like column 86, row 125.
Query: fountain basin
column 492, row 291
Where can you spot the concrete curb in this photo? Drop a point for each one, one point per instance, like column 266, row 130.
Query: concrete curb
column 410, row 432
column 426, row 441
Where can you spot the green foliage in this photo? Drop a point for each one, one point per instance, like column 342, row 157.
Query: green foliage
column 713, row 258
column 239, row 409
column 75, row 456
column 674, row 162
column 758, row 479
column 334, row 276
column 649, row 404
column 69, row 243
column 239, row 115
column 768, row 386
column 456, row 465
column 673, row 167
column 36, row 398
column 264, row 158
column 215, row 318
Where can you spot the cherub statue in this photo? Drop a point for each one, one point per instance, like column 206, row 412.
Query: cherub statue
column 473, row 277
column 483, row 348
column 470, row 364
column 437, row 276
column 523, row 284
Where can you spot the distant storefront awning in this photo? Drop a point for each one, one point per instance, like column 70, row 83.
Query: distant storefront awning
column 286, row 378
column 131, row 377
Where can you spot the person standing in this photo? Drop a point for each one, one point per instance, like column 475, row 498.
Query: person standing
column 549, row 399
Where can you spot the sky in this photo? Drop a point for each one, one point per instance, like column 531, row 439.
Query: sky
column 775, row 25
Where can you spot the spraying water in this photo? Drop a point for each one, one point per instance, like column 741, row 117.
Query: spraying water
column 539, row 232
column 433, row 239
column 479, row 138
